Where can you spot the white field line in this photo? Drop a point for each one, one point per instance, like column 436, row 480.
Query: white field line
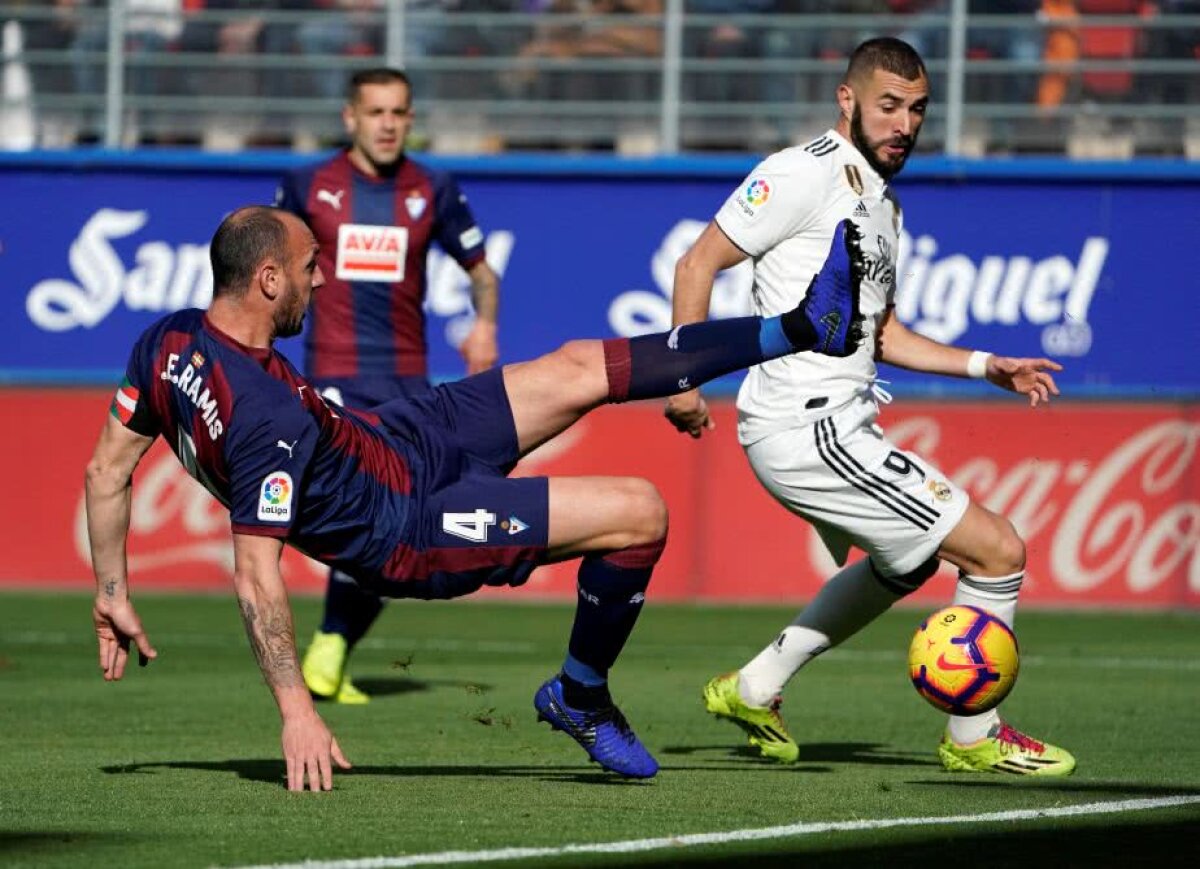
column 631, row 846
column 504, row 647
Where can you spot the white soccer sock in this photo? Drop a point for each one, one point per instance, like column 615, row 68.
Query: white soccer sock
column 852, row 598
column 998, row 596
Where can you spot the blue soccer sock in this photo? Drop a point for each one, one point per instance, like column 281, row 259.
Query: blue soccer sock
column 666, row 363
column 349, row 610
column 612, row 589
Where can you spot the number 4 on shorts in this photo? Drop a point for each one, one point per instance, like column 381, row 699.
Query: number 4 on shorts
column 469, row 526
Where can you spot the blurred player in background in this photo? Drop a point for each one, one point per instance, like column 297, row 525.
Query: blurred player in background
column 412, row 499
column 807, row 423
column 375, row 213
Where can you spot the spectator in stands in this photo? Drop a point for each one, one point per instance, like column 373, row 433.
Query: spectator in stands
column 356, row 28
column 727, row 40
column 345, row 28
column 1016, row 42
column 53, row 30
column 1178, row 43
column 151, row 28
column 602, row 34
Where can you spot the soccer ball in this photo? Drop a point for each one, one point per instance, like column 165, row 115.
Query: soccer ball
column 963, row 660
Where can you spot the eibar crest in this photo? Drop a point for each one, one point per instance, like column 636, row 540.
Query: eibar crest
column 415, row 203
column 853, row 178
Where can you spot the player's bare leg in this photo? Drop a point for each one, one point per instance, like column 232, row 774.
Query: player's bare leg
column 619, row 526
column 990, row 556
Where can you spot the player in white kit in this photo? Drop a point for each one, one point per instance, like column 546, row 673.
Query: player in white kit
column 807, row 422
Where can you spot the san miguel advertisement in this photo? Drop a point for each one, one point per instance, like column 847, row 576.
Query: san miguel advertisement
column 1107, row 498
column 1084, row 271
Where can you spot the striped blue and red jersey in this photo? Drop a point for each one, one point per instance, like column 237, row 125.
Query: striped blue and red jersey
column 374, row 235
column 332, row 482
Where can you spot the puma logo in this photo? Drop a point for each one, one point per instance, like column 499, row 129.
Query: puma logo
column 673, row 339
column 284, row 445
column 334, row 199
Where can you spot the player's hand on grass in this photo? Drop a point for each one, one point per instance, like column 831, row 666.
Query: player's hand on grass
column 479, row 348
column 117, row 627
column 1030, row 377
column 688, row 412
column 310, row 751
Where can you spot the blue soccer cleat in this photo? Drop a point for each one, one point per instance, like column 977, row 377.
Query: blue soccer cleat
column 831, row 303
column 603, row 732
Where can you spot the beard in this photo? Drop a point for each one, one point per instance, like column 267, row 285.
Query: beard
column 886, row 167
column 289, row 319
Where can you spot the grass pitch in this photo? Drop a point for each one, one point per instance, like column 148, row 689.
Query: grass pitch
column 179, row 764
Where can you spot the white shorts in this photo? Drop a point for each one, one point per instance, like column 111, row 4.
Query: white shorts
column 858, row 488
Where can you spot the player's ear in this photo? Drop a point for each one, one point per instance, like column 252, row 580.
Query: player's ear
column 348, row 119
column 845, row 98
column 269, row 279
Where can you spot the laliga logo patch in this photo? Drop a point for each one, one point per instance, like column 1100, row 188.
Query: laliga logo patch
column 758, row 192
column 754, row 197
column 275, row 497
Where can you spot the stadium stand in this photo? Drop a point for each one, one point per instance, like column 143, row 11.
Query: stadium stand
column 1110, row 78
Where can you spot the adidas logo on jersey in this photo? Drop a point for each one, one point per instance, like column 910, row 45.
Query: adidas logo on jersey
column 861, row 210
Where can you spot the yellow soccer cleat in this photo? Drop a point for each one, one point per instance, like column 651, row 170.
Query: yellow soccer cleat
column 351, row 694
column 1006, row 749
column 763, row 724
column 324, row 671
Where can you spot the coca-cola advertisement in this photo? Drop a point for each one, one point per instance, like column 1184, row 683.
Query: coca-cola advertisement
column 1107, row 497
column 1020, row 265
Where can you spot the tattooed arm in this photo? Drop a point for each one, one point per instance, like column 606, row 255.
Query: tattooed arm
column 107, row 488
column 308, row 747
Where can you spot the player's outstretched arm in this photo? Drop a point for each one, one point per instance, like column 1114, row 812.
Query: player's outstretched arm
column 899, row 345
column 309, row 749
column 107, row 489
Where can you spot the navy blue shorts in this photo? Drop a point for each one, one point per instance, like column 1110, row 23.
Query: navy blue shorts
column 475, row 526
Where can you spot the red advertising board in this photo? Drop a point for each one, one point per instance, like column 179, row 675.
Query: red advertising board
column 1107, row 497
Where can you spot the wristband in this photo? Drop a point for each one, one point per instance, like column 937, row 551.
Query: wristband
column 977, row 364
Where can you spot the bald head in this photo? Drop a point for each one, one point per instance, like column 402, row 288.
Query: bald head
column 243, row 241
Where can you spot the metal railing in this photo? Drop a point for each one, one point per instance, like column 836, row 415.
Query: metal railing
column 122, row 73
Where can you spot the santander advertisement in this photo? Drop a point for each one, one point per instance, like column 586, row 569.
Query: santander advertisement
column 1078, row 271
column 1107, row 498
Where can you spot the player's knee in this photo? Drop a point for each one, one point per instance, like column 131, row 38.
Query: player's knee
column 645, row 512
column 581, row 364
column 1008, row 549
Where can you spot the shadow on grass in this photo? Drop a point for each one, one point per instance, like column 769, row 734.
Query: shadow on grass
column 386, row 686
column 273, row 771
column 1099, row 844
column 872, row 753
column 21, row 843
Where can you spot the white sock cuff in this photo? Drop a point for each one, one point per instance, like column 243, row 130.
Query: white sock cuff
column 992, row 587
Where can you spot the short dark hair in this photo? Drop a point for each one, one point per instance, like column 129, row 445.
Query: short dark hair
column 376, row 75
column 889, row 54
column 243, row 240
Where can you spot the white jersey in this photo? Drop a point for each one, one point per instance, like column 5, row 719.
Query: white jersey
column 784, row 215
